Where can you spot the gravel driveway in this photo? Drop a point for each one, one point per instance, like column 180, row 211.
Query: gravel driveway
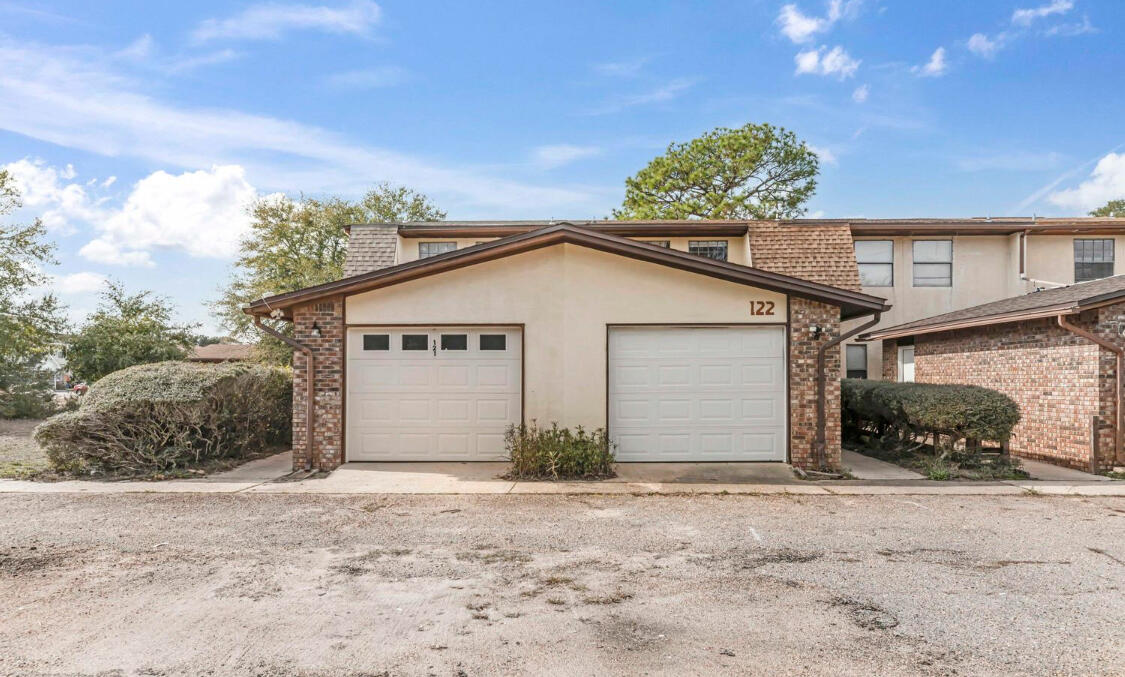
column 556, row 585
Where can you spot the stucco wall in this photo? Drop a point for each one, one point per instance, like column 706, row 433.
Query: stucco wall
column 1050, row 258
column 565, row 296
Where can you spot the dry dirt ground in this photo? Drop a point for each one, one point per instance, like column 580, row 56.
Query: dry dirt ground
column 557, row 585
column 20, row 456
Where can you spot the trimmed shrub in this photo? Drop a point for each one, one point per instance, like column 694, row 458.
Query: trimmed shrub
column 912, row 410
column 169, row 415
column 557, row 453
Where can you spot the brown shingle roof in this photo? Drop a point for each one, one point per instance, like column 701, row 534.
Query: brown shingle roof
column 818, row 252
column 370, row 247
column 221, row 352
column 1059, row 301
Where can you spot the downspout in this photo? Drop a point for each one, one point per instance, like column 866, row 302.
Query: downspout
column 1119, row 353
column 310, row 385
column 819, row 450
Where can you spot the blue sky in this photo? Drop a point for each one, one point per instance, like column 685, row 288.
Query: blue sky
column 139, row 131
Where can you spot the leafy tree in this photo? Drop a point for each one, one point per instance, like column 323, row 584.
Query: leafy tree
column 294, row 244
column 125, row 330
column 753, row 172
column 29, row 326
column 1115, row 208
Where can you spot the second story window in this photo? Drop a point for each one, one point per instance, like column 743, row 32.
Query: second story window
column 667, row 244
column 933, row 263
column 1093, row 259
column 712, row 249
column 428, row 249
column 876, row 262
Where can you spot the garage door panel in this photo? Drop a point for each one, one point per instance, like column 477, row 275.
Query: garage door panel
column 422, row 406
column 711, row 393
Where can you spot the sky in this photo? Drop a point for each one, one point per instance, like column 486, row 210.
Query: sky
column 139, row 132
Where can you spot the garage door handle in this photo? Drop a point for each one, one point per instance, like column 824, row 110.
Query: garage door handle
column 435, row 347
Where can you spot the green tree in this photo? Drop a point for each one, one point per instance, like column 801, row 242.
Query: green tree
column 29, row 325
column 125, row 330
column 1114, row 208
column 753, row 172
column 294, row 244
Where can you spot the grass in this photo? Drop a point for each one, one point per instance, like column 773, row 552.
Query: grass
column 20, row 457
column 956, row 466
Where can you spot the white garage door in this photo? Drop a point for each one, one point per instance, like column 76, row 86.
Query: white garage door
column 697, row 393
column 432, row 394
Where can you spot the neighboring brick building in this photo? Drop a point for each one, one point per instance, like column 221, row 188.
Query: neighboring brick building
column 1035, row 349
column 688, row 340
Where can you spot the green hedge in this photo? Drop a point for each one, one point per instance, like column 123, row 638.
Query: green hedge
column 168, row 415
column 557, row 453
column 961, row 412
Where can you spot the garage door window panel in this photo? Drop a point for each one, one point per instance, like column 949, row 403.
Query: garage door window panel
column 493, row 342
column 376, row 341
column 415, row 341
column 454, row 342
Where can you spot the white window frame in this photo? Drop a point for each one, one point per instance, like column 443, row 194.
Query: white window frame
column 710, row 244
column 889, row 263
column 902, row 350
column 444, row 246
column 935, row 262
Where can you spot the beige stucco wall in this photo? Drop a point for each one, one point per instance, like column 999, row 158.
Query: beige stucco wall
column 985, row 268
column 1050, row 258
column 565, row 295
column 738, row 248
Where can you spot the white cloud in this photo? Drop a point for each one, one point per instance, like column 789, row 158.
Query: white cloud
column 1072, row 29
column 661, row 94
column 370, row 78
column 825, row 154
column 861, row 93
column 201, row 213
column 77, row 283
column 270, row 21
column 620, row 69
column 801, row 28
column 53, row 95
column 46, row 191
column 1105, row 183
column 981, row 45
column 1025, row 17
column 834, row 62
column 1011, row 162
column 102, row 251
column 557, row 155
column 138, row 50
column 935, row 67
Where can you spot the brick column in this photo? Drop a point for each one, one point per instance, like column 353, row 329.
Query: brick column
column 803, row 314
column 890, row 360
column 328, row 353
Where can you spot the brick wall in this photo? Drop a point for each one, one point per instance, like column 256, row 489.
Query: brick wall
column 328, row 352
column 1058, row 379
column 802, row 382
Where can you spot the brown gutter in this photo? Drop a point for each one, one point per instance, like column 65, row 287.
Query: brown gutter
column 1119, row 353
column 310, row 385
column 821, row 443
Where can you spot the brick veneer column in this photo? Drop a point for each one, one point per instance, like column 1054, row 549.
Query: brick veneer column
column 328, row 352
column 803, row 314
column 890, row 360
column 1110, row 320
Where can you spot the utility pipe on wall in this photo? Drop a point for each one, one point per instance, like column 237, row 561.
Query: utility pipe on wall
column 821, row 352
column 1119, row 353
column 310, row 386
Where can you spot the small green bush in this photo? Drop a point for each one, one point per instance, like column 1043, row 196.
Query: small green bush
column 170, row 415
column 557, row 453
column 911, row 410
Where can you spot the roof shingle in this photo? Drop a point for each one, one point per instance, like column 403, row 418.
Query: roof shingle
column 1061, row 300
column 371, row 246
column 817, row 252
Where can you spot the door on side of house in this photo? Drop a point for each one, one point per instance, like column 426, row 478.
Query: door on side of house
column 682, row 393
column 906, row 364
column 432, row 393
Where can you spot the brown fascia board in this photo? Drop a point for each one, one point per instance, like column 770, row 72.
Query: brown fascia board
column 981, row 226
column 852, row 304
column 681, row 228
column 1067, row 308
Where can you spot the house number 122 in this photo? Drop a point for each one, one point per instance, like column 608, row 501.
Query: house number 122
column 761, row 307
